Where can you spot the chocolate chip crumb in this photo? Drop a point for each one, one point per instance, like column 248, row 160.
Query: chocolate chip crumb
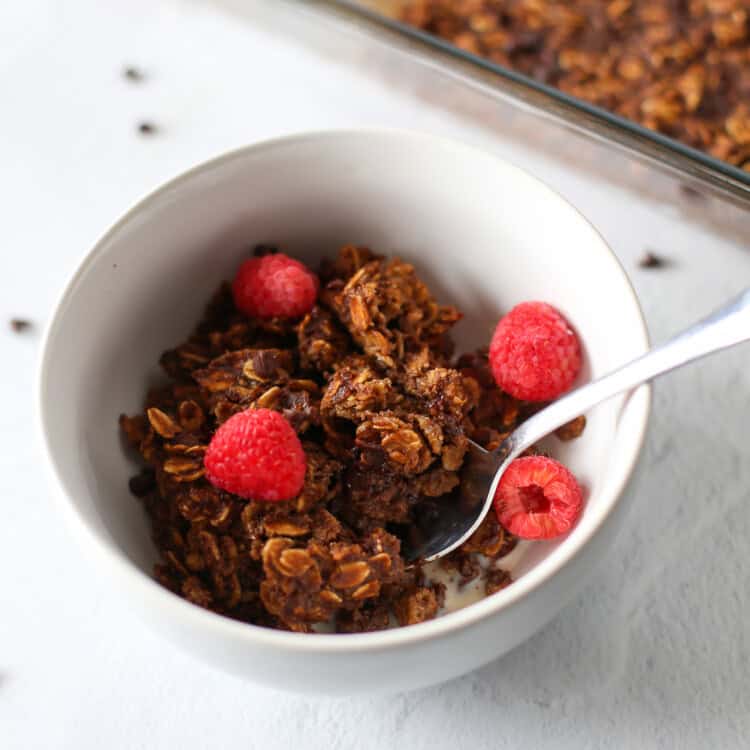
column 133, row 74
column 266, row 362
column 19, row 325
column 651, row 260
column 496, row 580
column 143, row 483
column 260, row 250
column 146, row 128
column 571, row 430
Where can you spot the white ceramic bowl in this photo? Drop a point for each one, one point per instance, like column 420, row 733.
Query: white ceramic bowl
column 483, row 233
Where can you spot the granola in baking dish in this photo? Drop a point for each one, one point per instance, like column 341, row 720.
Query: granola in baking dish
column 679, row 68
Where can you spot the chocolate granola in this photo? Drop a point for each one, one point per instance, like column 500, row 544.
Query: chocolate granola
column 680, row 67
column 383, row 414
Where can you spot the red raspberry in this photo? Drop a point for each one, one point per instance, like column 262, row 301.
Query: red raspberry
column 274, row 286
column 257, row 455
column 534, row 354
column 538, row 498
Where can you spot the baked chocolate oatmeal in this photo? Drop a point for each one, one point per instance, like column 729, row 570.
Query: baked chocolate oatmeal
column 383, row 411
column 680, row 67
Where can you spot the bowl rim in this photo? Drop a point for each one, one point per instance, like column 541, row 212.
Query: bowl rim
column 146, row 588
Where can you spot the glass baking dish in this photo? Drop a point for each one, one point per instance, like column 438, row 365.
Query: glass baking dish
column 379, row 18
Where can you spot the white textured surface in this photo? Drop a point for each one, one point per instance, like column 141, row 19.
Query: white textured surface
column 655, row 653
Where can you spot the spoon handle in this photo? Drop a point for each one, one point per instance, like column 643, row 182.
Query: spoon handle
column 724, row 328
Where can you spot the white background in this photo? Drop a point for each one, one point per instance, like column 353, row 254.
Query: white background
column 655, row 652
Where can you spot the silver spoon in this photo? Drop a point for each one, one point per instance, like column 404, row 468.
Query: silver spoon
column 446, row 525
